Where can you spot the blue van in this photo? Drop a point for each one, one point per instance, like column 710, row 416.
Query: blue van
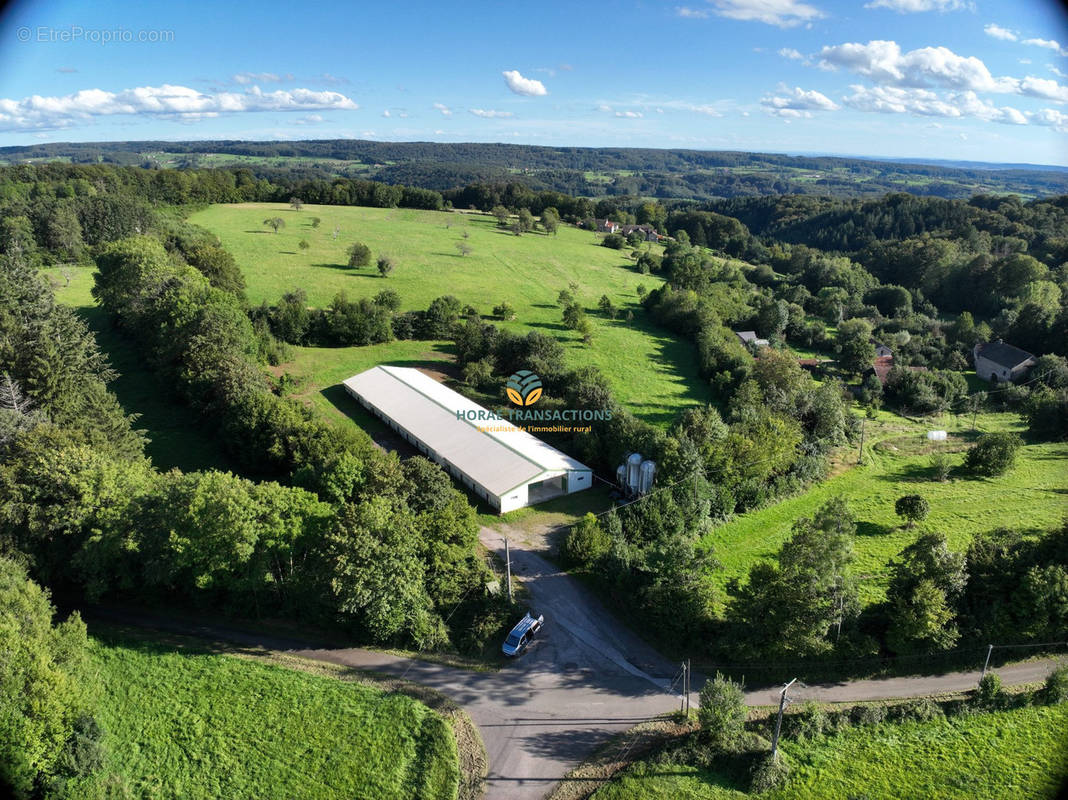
column 521, row 634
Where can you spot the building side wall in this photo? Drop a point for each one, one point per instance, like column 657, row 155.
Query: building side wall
column 577, row 480
column 517, row 498
column 989, row 370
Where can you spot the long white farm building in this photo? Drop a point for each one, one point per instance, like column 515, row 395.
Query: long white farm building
column 509, row 469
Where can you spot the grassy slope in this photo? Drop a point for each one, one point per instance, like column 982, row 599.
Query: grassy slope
column 197, row 725
column 651, row 372
column 897, row 463
column 1019, row 754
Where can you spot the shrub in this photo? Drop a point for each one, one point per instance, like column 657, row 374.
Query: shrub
column 868, row 715
column 586, row 542
column 994, row 454
column 837, row 721
column 504, row 311
column 613, row 241
column 478, row 373
column 1056, row 688
column 385, row 265
column 722, row 711
column 989, row 696
column 811, row 721
column 768, row 773
column 940, row 467
column 359, row 255
column 921, row 709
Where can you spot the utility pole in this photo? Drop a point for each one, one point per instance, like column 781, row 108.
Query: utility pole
column 778, row 722
column 689, row 674
column 989, row 650
column 508, row 567
column 682, row 699
column 860, row 453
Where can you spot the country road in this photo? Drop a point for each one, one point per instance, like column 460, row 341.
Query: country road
column 585, row 678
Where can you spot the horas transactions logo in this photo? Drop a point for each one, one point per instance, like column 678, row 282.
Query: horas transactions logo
column 524, row 388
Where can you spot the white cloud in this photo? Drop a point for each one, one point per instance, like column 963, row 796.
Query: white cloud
column 386, row 113
column 783, row 13
column 630, row 114
column 489, row 114
column 245, row 78
column 1024, row 60
column 1051, row 117
column 1046, row 88
column 311, row 119
column 1056, row 71
column 926, row 103
column 525, row 86
column 999, row 33
column 167, row 101
column 66, row 70
column 913, row 6
column 789, row 52
column 691, row 13
column 444, row 109
column 1047, row 44
column 884, row 63
column 797, row 102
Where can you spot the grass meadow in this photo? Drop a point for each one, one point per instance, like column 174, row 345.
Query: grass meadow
column 651, row 372
column 1033, row 495
column 1020, row 754
column 190, row 724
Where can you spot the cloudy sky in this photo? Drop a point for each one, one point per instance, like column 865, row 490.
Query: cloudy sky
column 959, row 79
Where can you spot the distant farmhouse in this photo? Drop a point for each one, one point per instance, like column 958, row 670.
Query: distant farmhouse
column 648, row 232
column 1000, row 362
column 882, row 351
column 750, row 338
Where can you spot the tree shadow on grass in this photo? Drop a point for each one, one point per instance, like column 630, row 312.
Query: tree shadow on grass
column 873, row 529
column 553, row 326
column 346, row 267
column 913, row 473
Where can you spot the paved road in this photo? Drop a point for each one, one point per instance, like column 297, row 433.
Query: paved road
column 585, row 678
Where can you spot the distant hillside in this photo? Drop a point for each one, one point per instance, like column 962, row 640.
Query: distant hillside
column 595, row 172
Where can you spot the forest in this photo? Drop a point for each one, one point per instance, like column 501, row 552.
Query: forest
column 664, row 174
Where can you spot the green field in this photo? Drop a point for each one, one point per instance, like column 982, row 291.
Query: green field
column 1019, row 754
column 652, row 373
column 1031, row 496
column 188, row 724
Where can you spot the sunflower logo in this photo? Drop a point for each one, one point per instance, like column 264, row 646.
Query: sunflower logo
column 524, row 388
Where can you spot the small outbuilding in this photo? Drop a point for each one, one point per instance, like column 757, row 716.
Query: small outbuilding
column 505, row 466
column 750, row 338
column 999, row 362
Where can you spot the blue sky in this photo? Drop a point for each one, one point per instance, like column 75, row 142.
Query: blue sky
column 955, row 79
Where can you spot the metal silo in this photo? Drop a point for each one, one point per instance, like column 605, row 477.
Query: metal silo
column 634, row 462
column 646, row 475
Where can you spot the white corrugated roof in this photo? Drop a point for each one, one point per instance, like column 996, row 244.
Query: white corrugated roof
column 499, row 460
